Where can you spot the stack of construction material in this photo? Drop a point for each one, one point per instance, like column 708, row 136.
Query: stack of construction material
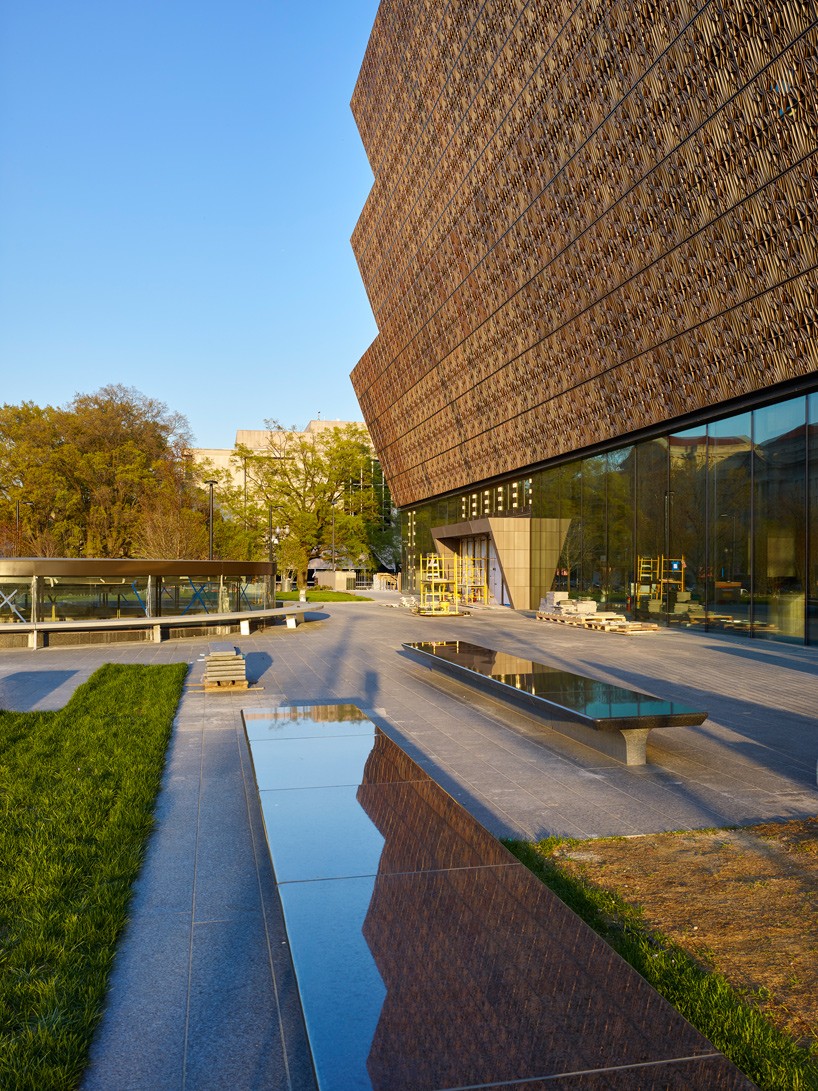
column 225, row 668
column 558, row 602
column 556, row 606
column 577, row 607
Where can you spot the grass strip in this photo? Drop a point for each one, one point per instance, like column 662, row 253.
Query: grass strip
column 704, row 997
column 77, row 790
column 322, row 596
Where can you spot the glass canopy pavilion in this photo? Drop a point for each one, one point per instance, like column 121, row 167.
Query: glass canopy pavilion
column 46, row 589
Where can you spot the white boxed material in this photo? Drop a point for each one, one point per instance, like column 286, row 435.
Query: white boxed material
column 586, row 606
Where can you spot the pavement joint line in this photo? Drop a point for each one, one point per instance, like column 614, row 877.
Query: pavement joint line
column 754, row 762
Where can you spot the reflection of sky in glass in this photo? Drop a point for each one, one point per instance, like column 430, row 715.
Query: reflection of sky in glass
column 341, row 988
column 777, row 420
column 587, row 696
column 739, row 426
column 309, row 765
column 320, row 833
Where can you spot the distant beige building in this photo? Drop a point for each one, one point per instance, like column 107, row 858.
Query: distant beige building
column 256, row 439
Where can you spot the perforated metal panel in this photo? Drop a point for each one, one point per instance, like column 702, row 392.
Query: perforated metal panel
column 582, row 223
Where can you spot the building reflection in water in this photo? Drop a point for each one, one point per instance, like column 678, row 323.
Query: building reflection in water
column 472, row 972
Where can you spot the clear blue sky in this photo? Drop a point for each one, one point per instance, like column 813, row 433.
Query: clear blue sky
column 179, row 180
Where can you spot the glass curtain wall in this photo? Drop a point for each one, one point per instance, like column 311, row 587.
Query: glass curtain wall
column 15, row 600
column 619, row 545
column 593, row 576
column 780, row 520
column 75, row 598
column 710, row 527
column 569, row 572
column 547, row 535
column 728, row 592
column 652, row 512
column 687, row 514
column 812, row 518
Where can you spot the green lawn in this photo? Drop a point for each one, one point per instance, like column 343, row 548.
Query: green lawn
column 77, row 789
column 735, row 1027
column 322, row 596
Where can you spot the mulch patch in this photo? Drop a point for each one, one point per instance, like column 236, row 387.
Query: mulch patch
column 743, row 901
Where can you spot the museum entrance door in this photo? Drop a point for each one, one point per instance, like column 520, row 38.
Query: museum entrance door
column 480, row 547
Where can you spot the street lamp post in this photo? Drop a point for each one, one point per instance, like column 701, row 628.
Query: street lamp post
column 18, row 545
column 273, row 536
column 271, row 548
column 664, row 586
column 211, row 481
column 727, row 515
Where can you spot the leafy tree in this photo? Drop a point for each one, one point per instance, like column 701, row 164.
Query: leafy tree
column 89, row 478
column 169, row 524
column 322, row 490
column 384, row 532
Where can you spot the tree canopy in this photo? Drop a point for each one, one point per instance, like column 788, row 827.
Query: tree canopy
column 105, row 476
column 111, row 475
column 323, row 492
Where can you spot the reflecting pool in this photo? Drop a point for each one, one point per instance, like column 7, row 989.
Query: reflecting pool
column 426, row 956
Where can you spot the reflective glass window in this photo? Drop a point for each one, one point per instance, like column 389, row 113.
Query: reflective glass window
column 812, row 523
column 594, row 527
column 569, row 575
column 547, row 534
column 729, row 513
column 71, row 598
column 15, row 600
column 408, row 549
column 687, row 514
column 652, row 528
column 780, row 539
column 619, row 553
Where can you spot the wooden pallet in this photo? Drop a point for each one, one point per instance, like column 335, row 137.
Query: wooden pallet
column 624, row 627
column 602, row 625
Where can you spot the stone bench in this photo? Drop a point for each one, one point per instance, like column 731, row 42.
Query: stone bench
column 610, row 718
column 156, row 628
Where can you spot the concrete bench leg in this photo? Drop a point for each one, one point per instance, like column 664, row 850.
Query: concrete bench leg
column 36, row 639
column 157, row 634
column 292, row 620
column 629, row 747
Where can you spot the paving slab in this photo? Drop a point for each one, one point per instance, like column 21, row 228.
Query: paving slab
column 207, row 871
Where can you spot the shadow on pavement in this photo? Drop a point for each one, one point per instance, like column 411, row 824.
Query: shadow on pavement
column 21, row 691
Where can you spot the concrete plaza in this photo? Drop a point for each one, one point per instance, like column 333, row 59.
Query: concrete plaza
column 202, row 994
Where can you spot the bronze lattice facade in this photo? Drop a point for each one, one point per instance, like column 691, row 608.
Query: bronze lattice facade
column 588, row 220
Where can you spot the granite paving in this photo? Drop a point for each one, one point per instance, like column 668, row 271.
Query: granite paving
column 203, row 994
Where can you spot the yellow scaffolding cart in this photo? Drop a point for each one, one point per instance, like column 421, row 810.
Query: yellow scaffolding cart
column 438, row 585
column 658, row 576
column 472, row 584
column 446, row 582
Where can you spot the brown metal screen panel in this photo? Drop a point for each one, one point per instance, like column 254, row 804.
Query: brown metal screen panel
column 583, row 223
